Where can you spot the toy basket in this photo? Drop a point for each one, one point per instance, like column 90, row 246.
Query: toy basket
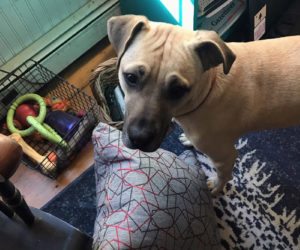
column 32, row 77
column 104, row 79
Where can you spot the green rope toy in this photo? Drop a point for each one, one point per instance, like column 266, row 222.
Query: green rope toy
column 37, row 123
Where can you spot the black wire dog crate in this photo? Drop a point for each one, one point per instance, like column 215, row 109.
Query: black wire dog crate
column 48, row 157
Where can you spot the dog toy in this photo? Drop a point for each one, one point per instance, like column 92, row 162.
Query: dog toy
column 37, row 123
column 62, row 122
column 57, row 103
column 22, row 111
column 48, row 162
column 36, row 135
column 16, row 123
column 80, row 113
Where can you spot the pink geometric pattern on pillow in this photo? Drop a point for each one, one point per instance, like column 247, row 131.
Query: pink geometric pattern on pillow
column 149, row 200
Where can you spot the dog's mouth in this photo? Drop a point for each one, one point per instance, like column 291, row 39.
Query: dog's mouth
column 145, row 138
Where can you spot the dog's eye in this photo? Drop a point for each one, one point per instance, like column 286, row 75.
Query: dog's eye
column 131, row 79
column 177, row 91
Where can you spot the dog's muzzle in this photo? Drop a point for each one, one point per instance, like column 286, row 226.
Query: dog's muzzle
column 143, row 134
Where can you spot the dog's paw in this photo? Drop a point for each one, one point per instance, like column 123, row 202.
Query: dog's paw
column 210, row 184
column 184, row 140
column 214, row 186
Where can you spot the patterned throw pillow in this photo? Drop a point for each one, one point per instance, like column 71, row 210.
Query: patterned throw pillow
column 149, row 200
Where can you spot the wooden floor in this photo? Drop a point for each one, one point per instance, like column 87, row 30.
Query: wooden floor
column 37, row 188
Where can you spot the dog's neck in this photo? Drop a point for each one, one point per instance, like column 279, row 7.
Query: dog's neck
column 212, row 84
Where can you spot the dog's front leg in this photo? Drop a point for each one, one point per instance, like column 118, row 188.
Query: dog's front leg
column 185, row 141
column 224, row 162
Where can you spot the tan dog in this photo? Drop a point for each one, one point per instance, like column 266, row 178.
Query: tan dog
column 216, row 91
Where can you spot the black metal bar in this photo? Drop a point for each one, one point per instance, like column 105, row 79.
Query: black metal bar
column 15, row 75
column 12, row 196
column 6, row 210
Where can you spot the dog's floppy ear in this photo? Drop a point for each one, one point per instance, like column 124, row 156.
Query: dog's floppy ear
column 212, row 50
column 122, row 30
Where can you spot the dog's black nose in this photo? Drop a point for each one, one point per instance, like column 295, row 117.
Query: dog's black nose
column 141, row 133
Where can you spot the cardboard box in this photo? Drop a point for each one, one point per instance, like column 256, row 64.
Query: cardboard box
column 257, row 11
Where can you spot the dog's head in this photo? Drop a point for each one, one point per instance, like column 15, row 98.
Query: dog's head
column 163, row 71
